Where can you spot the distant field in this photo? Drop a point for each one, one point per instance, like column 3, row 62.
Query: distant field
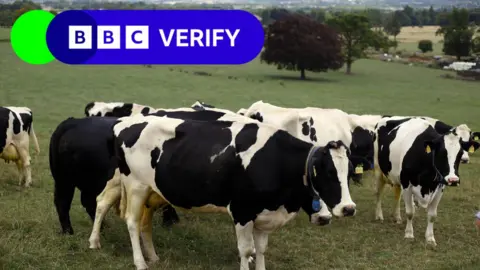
column 29, row 225
column 4, row 33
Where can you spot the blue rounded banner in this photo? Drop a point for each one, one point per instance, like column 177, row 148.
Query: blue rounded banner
column 157, row 37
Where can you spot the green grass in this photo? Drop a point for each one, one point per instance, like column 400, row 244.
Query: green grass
column 28, row 222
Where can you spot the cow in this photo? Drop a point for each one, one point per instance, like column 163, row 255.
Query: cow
column 111, row 192
column 261, row 176
column 117, row 109
column 16, row 129
column 199, row 105
column 443, row 128
column 319, row 126
column 81, row 157
column 418, row 161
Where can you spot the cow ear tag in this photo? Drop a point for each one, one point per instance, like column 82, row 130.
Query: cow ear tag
column 316, row 205
column 475, row 138
column 427, row 149
column 359, row 169
column 471, row 149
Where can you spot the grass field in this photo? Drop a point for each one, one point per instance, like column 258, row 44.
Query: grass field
column 29, row 226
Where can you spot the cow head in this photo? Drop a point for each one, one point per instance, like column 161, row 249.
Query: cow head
column 464, row 132
column 362, row 152
column 446, row 152
column 200, row 106
column 475, row 136
column 327, row 177
column 88, row 108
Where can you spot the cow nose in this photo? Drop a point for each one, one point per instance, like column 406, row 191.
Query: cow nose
column 452, row 180
column 348, row 210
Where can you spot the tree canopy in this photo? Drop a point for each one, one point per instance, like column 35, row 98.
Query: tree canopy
column 356, row 35
column 297, row 42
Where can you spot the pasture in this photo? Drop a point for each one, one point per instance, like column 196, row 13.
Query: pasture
column 410, row 36
column 29, row 227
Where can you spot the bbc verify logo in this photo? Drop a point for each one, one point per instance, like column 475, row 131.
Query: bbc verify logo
column 137, row 37
column 157, row 37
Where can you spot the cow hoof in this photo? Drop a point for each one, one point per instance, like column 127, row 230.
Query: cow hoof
column 95, row 244
column 251, row 259
column 153, row 260
column 142, row 266
column 431, row 243
column 409, row 236
column 379, row 219
column 398, row 221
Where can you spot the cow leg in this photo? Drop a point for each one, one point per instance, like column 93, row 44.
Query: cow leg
column 154, row 202
column 63, row 196
column 398, row 192
column 380, row 185
column 105, row 200
column 25, row 159
column 136, row 197
column 431, row 215
column 409, row 212
column 146, row 235
column 245, row 243
column 21, row 172
column 261, row 242
column 89, row 202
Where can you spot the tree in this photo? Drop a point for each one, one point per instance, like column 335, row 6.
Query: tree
column 297, row 42
column 393, row 26
column 425, row 45
column 379, row 41
column 356, row 35
column 457, row 34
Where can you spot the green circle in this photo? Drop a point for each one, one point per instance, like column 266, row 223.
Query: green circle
column 29, row 37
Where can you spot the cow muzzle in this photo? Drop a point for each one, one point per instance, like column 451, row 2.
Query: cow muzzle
column 452, row 181
column 345, row 210
column 320, row 220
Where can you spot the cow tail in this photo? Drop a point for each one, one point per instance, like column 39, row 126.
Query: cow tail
column 34, row 138
column 123, row 200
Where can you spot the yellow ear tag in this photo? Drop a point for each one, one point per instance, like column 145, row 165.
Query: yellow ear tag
column 314, row 171
column 428, row 150
column 471, row 149
column 359, row 169
column 475, row 138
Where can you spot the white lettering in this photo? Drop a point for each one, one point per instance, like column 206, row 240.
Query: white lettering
column 232, row 38
column 180, row 37
column 198, row 37
column 167, row 42
column 216, row 37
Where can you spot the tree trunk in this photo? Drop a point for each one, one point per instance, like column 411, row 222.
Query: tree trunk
column 302, row 74
column 349, row 68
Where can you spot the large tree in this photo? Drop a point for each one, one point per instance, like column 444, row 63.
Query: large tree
column 393, row 25
column 356, row 35
column 297, row 42
column 457, row 33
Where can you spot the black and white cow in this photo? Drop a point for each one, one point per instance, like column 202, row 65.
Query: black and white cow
column 416, row 159
column 81, row 157
column 318, row 126
column 16, row 128
column 441, row 127
column 117, row 109
column 111, row 192
column 260, row 175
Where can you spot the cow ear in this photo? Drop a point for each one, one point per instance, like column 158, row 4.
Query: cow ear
column 476, row 136
column 470, row 146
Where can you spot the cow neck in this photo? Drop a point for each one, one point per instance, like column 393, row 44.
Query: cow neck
column 308, row 176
